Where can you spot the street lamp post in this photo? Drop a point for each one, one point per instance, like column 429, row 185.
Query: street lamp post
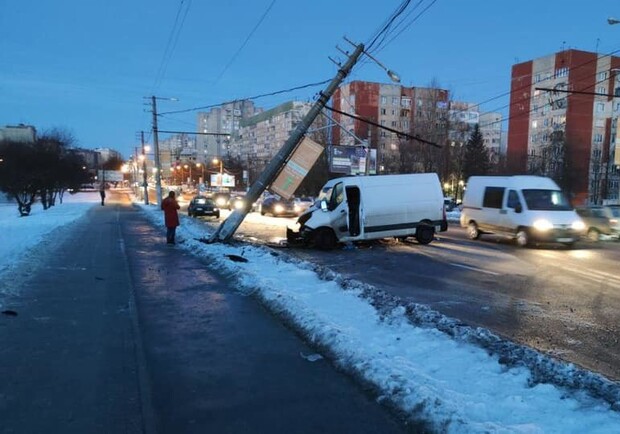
column 221, row 163
column 202, row 167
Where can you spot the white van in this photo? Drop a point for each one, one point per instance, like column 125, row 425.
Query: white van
column 528, row 208
column 372, row 207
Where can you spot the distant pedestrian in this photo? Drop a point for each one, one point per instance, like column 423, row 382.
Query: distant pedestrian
column 102, row 193
column 171, row 218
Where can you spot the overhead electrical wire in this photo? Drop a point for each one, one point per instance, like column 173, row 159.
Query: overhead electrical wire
column 278, row 92
column 245, row 42
column 173, row 38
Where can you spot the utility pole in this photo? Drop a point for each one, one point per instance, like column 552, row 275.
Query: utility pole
column 226, row 230
column 144, row 183
column 156, row 150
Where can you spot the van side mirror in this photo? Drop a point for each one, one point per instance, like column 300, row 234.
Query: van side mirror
column 324, row 205
column 518, row 209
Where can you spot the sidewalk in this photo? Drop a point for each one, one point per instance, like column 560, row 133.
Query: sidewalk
column 197, row 356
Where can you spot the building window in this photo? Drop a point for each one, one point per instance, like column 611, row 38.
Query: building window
column 602, row 75
column 601, row 89
column 561, row 72
column 393, row 112
column 384, row 100
column 538, row 78
column 600, row 107
column 406, row 102
column 598, row 138
column 395, row 100
column 382, row 111
column 393, row 123
column 534, row 124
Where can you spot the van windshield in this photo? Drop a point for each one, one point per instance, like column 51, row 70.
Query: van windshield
column 546, row 200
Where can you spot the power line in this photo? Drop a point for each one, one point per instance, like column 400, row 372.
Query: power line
column 406, row 26
column 172, row 42
column 278, row 92
column 383, row 127
column 234, row 57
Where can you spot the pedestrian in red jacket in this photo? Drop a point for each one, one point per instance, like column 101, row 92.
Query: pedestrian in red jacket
column 171, row 218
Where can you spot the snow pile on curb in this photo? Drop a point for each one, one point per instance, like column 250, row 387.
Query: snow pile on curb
column 457, row 378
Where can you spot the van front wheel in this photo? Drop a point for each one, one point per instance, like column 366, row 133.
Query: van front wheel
column 522, row 238
column 425, row 234
column 473, row 231
column 324, row 239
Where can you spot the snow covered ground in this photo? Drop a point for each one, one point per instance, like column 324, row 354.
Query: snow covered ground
column 428, row 365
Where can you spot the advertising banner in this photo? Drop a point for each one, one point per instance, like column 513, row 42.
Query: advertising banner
column 297, row 168
column 222, row 180
column 351, row 160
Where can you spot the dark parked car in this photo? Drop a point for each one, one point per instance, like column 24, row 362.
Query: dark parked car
column 278, row 207
column 202, row 205
column 601, row 220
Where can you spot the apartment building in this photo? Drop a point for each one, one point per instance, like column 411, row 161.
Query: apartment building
column 567, row 132
column 412, row 110
column 19, row 133
column 220, row 123
column 261, row 136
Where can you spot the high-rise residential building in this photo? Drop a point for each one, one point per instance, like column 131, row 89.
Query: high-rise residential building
column 412, row 110
column 19, row 133
column 491, row 129
column 220, row 123
column 261, row 136
column 567, row 132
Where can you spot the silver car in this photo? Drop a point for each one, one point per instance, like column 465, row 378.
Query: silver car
column 601, row 221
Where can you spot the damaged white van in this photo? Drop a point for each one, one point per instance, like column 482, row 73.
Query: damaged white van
column 360, row 208
column 529, row 209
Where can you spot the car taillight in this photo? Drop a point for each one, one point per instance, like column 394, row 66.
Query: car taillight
column 613, row 221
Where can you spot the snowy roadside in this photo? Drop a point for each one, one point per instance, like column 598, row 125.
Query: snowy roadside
column 21, row 234
column 429, row 366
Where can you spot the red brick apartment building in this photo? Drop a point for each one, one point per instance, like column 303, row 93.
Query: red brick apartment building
column 391, row 105
column 583, row 120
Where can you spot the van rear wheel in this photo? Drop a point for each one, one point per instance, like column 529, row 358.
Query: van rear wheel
column 472, row 231
column 425, row 234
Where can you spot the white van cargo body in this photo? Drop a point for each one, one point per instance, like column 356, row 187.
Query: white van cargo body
column 528, row 208
column 371, row 207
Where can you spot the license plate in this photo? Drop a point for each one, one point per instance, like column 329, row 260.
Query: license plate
column 565, row 240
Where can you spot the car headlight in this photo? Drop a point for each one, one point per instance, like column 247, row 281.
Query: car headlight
column 296, row 208
column 278, row 208
column 578, row 225
column 239, row 204
column 220, row 201
column 543, row 225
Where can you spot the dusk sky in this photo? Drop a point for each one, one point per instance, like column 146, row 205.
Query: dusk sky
column 86, row 66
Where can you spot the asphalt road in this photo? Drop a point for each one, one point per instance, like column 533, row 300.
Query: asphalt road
column 563, row 302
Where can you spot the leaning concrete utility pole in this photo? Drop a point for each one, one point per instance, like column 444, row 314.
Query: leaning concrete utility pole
column 226, row 230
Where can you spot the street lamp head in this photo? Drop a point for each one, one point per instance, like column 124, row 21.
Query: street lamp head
column 612, row 21
column 393, row 76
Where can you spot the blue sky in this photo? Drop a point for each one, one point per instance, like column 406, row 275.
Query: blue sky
column 85, row 66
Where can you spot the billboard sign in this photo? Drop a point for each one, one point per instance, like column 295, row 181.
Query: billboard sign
column 352, row 160
column 297, row 167
column 222, row 180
